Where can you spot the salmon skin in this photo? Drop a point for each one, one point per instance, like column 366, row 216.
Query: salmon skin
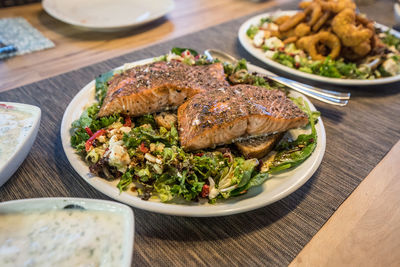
column 226, row 114
column 159, row 86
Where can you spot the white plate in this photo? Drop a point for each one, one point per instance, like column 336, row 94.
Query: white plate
column 245, row 41
column 10, row 161
column 274, row 189
column 51, row 204
column 107, row 15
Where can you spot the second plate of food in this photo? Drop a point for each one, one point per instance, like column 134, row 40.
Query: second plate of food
column 262, row 38
column 276, row 187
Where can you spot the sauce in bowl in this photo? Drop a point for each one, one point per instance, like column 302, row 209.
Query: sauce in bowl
column 61, row 238
column 14, row 126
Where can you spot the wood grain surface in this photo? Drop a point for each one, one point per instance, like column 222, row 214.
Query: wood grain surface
column 364, row 231
column 76, row 48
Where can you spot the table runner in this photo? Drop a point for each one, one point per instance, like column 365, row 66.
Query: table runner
column 358, row 136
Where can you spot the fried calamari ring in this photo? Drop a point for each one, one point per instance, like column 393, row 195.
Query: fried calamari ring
column 290, row 40
column 287, row 34
column 362, row 49
column 345, row 28
column 337, row 6
column 281, row 19
column 304, row 5
column 321, row 21
column 293, row 21
column 328, row 39
column 316, row 12
column 304, row 42
column 302, row 30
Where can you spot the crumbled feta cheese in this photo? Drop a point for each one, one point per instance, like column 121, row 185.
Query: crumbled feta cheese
column 273, row 27
column 125, row 129
column 259, row 39
column 119, row 158
column 269, row 53
column 390, row 66
column 172, row 56
column 297, row 58
column 274, row 42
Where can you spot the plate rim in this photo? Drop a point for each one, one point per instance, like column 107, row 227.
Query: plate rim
column 177, row 209
column 255, row 52
column 55, row 14
column 22, row 150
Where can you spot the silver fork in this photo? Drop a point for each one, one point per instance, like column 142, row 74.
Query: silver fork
column 327, row 96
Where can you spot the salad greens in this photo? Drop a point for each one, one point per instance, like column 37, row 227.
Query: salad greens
column 291, row 154
column 147, row 158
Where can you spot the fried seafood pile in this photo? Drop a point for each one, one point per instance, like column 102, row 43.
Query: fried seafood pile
column 329, row 28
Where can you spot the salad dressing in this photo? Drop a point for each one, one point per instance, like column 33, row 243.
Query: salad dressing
column 61, row 238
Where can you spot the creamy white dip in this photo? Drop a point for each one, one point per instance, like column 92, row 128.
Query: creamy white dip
column 14, row 126
column 61, row 238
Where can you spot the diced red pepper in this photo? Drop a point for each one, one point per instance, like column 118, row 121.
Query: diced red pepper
column 89, row 132
column 281, row 49
column 143, row 148
column 297, row 65
column 128, row 121
column 89, row 142
column 199, row 154
column 205, row 191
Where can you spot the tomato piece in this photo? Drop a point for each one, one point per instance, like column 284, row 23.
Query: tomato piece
column 205, row 191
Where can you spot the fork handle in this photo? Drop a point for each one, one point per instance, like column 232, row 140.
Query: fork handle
column 314, row 92
column 301, row 86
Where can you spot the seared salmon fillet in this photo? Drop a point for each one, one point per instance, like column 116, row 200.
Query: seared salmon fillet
column 159, row 85
column 223, row 115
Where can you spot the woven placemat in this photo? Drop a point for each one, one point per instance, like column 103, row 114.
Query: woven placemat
column 358, row 136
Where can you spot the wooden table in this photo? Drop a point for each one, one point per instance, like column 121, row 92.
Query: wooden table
column 365, row 230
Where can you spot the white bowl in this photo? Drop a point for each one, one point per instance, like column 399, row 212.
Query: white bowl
column 397, row 12
column 41, row 205
column 22, row 143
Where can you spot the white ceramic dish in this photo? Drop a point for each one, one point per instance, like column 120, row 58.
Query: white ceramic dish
column 274, row 189
column 245, row 41
column 105, row 15
column 53, row 204
column 397, row 12
column 22, row 143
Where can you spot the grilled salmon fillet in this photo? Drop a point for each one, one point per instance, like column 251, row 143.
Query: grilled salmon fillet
column 159, row 85
column 225, row 114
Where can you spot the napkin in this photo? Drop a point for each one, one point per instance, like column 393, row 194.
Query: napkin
column 18, row 32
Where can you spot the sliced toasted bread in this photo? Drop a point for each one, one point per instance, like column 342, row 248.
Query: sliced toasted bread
column 260, row 146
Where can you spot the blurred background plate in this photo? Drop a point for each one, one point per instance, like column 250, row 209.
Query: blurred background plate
column 106, row 15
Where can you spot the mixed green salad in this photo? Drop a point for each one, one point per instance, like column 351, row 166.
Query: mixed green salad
column 385, row 64
column 148, row 159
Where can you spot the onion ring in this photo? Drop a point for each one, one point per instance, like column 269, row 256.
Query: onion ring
column 302, row 30
column 281, row 19
column 321, row 21
column 328, row 39
column 316, row 12
column 293, row 21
